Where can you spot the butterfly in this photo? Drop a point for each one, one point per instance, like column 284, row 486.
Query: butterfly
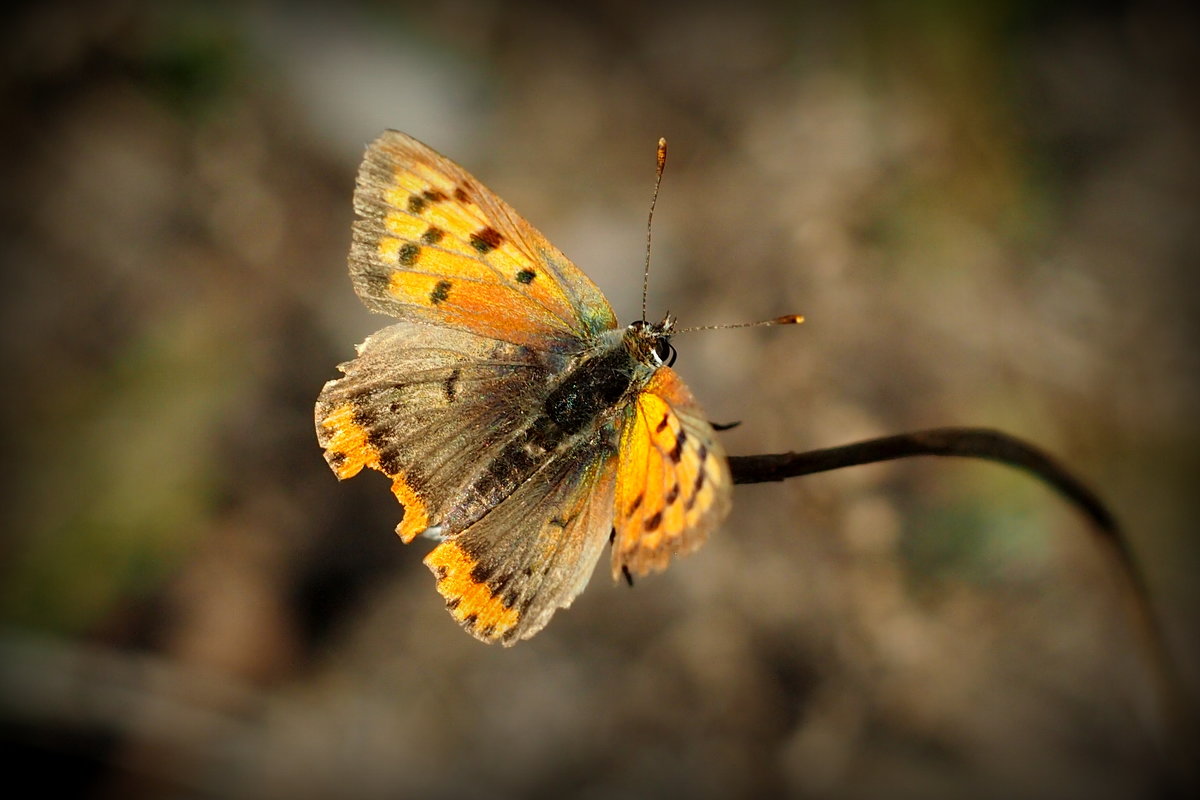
column 522, row 428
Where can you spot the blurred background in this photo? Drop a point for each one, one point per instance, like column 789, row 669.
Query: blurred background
column 987, row 212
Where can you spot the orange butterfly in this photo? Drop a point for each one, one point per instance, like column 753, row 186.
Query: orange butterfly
column 521, row 427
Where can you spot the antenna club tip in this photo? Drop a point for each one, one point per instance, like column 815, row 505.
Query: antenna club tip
column 790, row 319
column 662, row 154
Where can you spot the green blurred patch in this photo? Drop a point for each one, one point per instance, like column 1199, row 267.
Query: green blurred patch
column 985, row 524
column 119, row 477
column 189, row 55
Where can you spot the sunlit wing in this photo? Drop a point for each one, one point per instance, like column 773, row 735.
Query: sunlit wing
column 434, row 244
column 673, row 484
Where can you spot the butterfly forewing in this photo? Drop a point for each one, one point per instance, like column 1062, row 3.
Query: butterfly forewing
column 434, row 244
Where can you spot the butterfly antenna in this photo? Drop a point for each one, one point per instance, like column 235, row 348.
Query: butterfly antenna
column 658, row 173
column 789, row 319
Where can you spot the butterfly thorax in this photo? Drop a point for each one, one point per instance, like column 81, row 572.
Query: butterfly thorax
column 598, row 385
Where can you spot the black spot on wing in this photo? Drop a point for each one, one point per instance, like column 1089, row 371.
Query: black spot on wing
column 408, row 254
column 451, row 384
column 677, row 451
column 417, row 203
column 699, row 475
column 432, row 235
column 526, row 276
column 480, row 573
column 378, row 439
column 440, row 292
column 390, row 461
column 653, row 522
column 485, row 240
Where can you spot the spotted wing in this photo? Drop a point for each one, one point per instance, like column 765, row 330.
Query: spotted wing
column 505, row 576
column 673, row 483
column 429, row 407
column 434, row 244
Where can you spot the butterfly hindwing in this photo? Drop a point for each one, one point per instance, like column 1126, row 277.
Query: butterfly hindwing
column 429, row 408
column 434, row 244
column 673, row 485
column 504, row 576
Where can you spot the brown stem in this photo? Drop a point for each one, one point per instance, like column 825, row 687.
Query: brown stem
column 965, row 442
column 994, row 445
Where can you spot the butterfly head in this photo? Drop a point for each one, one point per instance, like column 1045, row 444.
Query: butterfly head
column 651, row 341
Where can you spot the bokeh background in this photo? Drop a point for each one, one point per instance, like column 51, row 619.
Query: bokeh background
column 987, row 212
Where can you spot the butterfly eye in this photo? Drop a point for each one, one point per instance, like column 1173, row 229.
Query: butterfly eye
column 665, row 352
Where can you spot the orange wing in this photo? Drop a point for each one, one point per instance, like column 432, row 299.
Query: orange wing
column 434, row 245
column 673, row 483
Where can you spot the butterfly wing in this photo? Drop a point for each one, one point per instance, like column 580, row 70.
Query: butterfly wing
column 673, row 484
column 429, row 407
column 504, row 576
column 434, row 244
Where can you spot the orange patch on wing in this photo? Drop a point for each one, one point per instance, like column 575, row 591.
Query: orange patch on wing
column 416, row 514
column 485, row 308
column 470, row 602
column 639, row 478
column 348, row 450
column 406, row 226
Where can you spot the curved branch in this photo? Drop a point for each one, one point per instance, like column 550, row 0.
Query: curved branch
column 982, row 443
column 993, row 445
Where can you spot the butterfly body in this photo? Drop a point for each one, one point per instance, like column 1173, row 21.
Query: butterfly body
column 521, row 427
column 582, row 409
